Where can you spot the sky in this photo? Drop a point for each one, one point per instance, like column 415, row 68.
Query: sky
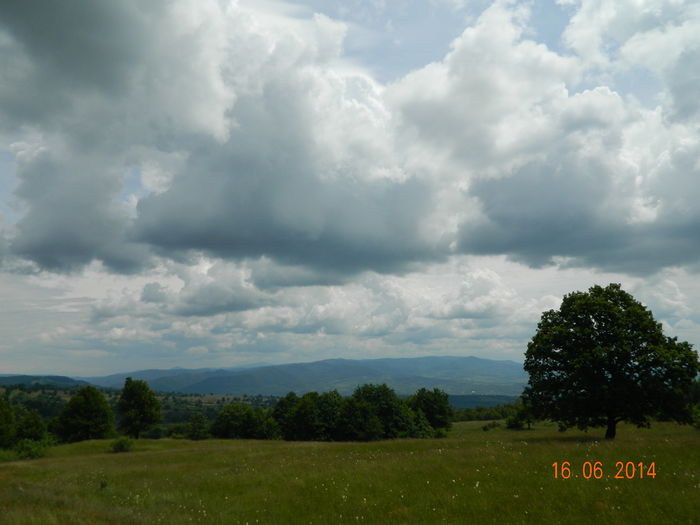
column 215, row 183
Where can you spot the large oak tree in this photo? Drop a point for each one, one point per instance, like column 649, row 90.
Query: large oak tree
column 602, row 359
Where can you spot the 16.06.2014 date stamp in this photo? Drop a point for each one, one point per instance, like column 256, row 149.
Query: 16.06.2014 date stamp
column 595, row 470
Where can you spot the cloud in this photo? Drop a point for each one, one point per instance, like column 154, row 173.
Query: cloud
column 112, row 63
column 489, row 99
column 154, row 293
column 549, row 171
column 307, row 177
column 257, row 178
column 265, row 144
column 93, row 92
column 218, row 297
column 71, row 216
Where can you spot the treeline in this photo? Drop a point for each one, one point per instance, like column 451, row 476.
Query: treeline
column 177, row 409
column 87, row 415
column 372, row 412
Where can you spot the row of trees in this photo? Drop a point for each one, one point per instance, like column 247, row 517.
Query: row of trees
column 87, row 415
column 372, row 412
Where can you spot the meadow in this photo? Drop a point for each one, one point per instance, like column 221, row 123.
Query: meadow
column 472, row 476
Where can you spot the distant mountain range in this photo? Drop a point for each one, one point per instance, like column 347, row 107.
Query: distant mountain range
column 470, row 376
column 59, row 381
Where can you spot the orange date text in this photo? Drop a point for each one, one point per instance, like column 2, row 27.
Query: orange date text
column 596, row 470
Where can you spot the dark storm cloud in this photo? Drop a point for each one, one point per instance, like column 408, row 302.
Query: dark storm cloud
column 87, row 90
column 72, row 219
column 541, row 211
column 546, row 211
column 61, row 47
column 295, row 222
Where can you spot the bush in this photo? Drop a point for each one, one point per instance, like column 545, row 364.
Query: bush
column 439, row 433
column 520, row 418
column 122, row 444
column 491, row 425
column 30, row 449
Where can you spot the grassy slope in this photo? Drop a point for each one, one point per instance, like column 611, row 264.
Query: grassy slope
column 473, row 476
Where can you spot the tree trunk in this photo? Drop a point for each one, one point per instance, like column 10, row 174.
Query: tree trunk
column 610, row 432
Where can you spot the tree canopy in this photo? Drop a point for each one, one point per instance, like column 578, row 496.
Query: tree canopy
column 86, row 416
column 138, row 407
column 435, row 404
column 602, row 359
column 7, row 423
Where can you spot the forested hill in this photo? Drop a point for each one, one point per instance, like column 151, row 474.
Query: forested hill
column 454, row 375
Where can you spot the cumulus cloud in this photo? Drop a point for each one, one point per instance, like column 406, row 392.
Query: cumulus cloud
column 308, row 176
column 251, row 182
column 71, row 216
column 282, row 152
column 550, row 170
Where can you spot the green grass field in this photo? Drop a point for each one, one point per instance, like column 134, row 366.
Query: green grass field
column 472, row 476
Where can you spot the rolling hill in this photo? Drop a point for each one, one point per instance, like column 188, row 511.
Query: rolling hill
column 454, row 375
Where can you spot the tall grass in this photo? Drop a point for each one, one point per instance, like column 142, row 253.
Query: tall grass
column 473, row 476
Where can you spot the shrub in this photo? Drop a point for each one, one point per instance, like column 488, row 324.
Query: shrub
column 490, row 425
column 7, row 455
column 30, row 449
column 521, row 417
column 122, row 444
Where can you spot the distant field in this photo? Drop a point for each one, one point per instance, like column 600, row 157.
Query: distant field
column 472, row 476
